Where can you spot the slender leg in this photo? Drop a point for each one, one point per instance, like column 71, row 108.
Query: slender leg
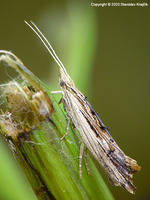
column 80, row 158
column 60, row 101
column 66, row 129
column 86, row 164
column 57, row 92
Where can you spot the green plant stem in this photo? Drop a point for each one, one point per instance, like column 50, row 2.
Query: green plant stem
column 50, row 164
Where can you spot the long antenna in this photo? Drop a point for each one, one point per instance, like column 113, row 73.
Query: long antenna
column 47, row 45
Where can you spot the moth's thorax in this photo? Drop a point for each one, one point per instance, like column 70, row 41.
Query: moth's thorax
column 64, row 79
column 67, row 85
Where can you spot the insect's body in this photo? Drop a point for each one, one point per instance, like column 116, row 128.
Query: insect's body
column 95, row 136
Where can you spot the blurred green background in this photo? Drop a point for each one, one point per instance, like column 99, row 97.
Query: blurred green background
column 106, row 52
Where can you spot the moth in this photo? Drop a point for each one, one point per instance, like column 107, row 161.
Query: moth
column 118, row 166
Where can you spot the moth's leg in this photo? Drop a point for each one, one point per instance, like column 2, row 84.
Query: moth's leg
column 58, row 92
column 72, row 126
column 60, row 101
column 66, row 129
column 80, row 158
column 86, row 163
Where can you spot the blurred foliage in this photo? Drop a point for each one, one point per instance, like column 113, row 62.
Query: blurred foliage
column 13, row 184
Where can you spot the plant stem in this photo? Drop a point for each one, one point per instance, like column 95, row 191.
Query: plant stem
column 33, row 125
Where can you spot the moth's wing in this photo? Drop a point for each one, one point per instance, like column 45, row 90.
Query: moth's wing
column 119, row 167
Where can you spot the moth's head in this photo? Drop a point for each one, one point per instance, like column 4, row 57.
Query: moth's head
column 64, row 79
column 66, row 83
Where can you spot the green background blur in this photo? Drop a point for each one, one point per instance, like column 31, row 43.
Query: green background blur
column 106, row 52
